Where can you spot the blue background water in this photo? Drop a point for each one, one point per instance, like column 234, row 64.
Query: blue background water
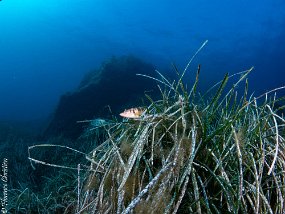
column 47, row 46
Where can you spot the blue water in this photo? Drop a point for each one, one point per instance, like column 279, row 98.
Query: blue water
column 46, row 47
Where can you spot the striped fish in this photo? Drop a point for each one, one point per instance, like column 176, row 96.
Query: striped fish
column 133, row 113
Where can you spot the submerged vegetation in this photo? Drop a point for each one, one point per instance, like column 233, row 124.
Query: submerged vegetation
column 186, row 153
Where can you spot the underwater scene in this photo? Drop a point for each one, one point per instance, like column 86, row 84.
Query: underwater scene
column 142, row 106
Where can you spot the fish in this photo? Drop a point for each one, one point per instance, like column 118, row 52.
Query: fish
column 133, row 113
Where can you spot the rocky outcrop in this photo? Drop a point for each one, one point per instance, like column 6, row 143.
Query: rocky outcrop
column 102, row 93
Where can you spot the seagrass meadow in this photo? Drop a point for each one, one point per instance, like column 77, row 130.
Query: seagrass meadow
column 218, row 152
column 151, row 107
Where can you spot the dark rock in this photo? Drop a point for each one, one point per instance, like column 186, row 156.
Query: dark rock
column 114, row 86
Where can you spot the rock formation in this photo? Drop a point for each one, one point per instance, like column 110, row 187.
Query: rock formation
column 114, row 87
